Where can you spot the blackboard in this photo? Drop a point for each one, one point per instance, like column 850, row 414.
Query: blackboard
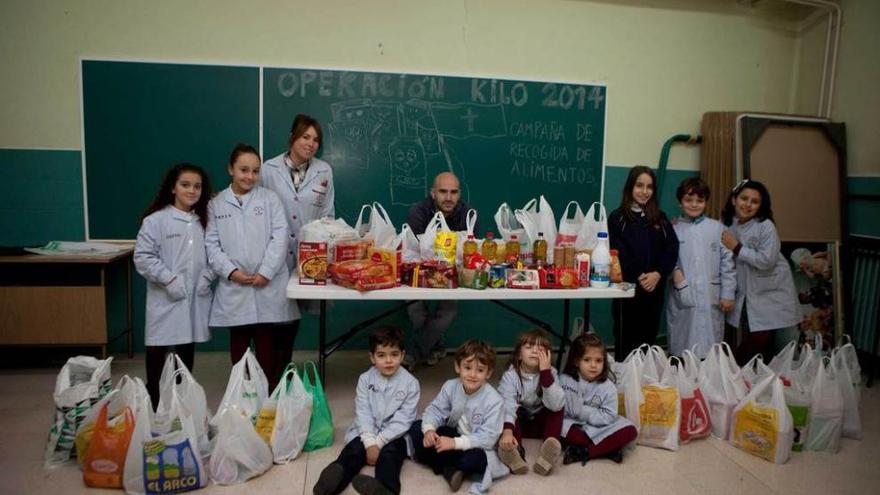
column 140, row 118
column 387, row 135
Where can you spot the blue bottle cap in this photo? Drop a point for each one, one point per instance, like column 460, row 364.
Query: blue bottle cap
column 603, row 235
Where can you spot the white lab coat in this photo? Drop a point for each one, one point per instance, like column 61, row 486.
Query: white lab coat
column 521, row 390
column 693, row 313
column 763, row 279
column 591, row 406
column 478, row 418
column 314, row 199
column 171, row 246
column 250, row 237
column 385, row 408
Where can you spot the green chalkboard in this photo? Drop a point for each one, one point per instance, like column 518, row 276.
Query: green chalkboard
column 140, row 118
column 387, row 135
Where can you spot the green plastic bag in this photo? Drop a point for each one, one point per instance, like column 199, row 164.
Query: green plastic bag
column 321, row 425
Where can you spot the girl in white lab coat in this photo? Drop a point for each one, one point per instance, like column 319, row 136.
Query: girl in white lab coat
column 170, row 254
column 246, row 242
column 766, row 299
column 704, row 280
column 304, row 184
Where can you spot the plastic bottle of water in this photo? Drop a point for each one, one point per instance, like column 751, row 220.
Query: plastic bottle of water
column 601, row 261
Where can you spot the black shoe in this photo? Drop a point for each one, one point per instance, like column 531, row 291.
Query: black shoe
column 330, row 479
column 367, row 485
column 454, row 477
column 616, row 456
column 575, row 453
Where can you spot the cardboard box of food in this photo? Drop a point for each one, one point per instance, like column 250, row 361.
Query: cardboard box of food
column 312, row 258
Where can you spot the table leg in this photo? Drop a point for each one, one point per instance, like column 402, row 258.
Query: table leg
column 130, row 328
column 322, row 339
column 566, row 316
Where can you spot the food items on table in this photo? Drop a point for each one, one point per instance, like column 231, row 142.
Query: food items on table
column 312, row 258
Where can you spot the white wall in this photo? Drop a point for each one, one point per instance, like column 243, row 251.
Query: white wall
column 665, row 61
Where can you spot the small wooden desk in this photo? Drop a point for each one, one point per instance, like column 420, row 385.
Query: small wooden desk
column 60, row 300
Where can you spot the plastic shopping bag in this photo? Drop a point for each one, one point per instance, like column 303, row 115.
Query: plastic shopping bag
column 695, row 420
column 438, row 242
column 755, row 370
column 247, row 387
column 462, row 236
column 409, row 245
column 762, row 425
column 722, row 386
column 591, row 226
column 81, row 383
column 163, row 455
column 176, row 375
column 321, row 424
column 850, row 358
column 285, row 417
column 852, row 423
column 826, row 410
column 127, row 395
column 569, row 225
column 239, row 453
column 629, row 387
column 660, row 413
column 104, row 462
column 378, row 227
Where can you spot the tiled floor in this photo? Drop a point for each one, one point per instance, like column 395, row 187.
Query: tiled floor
column 702, row 467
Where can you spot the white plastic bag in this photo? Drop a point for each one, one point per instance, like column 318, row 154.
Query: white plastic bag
column 247, row 387
column 826, row 410
column 163, row 456
column 537, row 217
column 695, row 419
column 378, row 227
column 285, row 417
column 762, row 424
column 628, row 375
column 722, row 386
column 505, row 220
column 239, row 454
column 81, row 383
column 850, row 358
column 755, row 370
column 409, row 245
column 470, row 223
column 591, row 226
column 569, row 225
column 327, row 230
column 660, row 413
column 852, row 422
column 191, row 395
column 427, row 239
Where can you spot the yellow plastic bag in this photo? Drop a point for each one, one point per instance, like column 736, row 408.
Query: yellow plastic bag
column 762, row 424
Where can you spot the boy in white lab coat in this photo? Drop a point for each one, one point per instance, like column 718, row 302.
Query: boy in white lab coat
column 458, row 431
column 704, row 279
column 385, row 407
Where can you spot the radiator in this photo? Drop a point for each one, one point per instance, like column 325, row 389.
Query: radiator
column 865, row 254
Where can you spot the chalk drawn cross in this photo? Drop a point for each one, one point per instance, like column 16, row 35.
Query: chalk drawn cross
column 470, row 117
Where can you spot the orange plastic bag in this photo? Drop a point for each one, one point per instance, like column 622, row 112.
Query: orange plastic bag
column 105, row 460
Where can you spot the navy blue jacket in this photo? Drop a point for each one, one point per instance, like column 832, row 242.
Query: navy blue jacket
column 422, row 212
column 641, row 247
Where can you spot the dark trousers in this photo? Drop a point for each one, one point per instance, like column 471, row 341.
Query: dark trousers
column 155, row 360
column 545, row 424
column 273, row 345
column 613, row 442
column 637, row 320
column 472, row 461
column 354, row 457
column 751, row 343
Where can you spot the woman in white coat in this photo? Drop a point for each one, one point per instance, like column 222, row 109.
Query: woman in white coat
column 170, row 254
column 704, row 281
column 766, row 299
column 246, row 242
column 305, row 185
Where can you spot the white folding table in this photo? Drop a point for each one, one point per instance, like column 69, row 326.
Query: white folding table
column 408, row 295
